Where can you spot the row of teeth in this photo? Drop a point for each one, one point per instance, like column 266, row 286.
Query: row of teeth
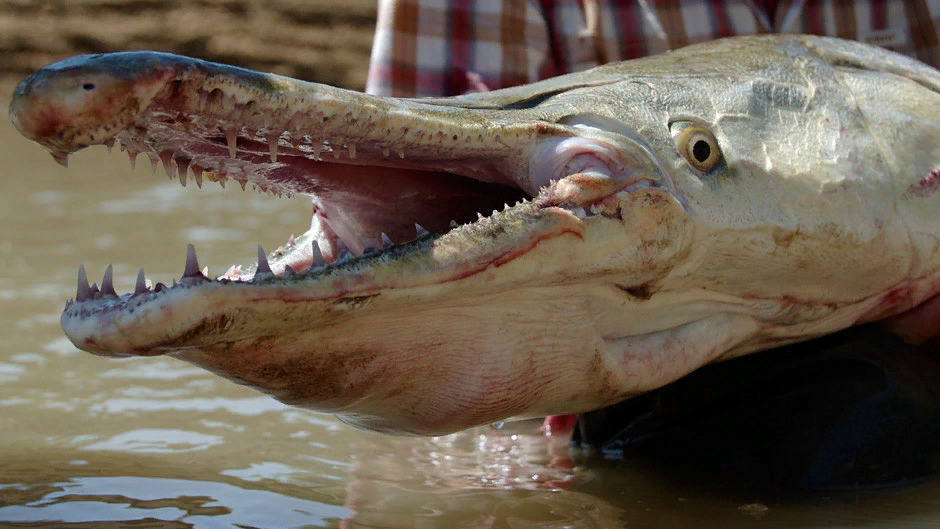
column 215, row 102
column 185, row 169
column 193, row 275
column 176, row 166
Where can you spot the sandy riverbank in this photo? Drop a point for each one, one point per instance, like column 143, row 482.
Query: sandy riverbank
column 317, row 40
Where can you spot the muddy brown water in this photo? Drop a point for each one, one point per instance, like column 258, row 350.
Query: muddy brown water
column 95, row 442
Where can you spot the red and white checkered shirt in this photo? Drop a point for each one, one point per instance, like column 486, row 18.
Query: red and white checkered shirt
column 447, row 47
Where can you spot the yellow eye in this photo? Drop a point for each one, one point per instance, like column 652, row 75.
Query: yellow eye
column 699, row 146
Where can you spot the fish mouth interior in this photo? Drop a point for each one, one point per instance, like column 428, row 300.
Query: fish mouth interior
column 366, row 198
column 382, row 173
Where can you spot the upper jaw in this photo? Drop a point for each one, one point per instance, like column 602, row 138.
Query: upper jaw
column 175, row 108
column 442, row 164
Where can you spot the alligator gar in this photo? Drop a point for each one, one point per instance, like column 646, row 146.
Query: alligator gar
column 546, row 249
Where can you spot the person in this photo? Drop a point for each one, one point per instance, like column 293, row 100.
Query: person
column 448, row 47
column 857, row 408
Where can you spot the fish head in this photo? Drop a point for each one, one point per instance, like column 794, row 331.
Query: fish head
column 546, row 249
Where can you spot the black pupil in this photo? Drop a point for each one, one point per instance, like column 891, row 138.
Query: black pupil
column 88, row 86
column 701, row 150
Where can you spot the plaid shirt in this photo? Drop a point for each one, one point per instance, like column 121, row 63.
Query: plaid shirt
column 447, row 47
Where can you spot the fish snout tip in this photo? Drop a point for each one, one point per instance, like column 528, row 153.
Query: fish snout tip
column 29, row 118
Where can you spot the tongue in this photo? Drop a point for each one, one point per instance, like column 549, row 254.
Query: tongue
column 363, row 202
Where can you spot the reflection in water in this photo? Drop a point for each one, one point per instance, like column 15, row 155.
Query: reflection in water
column 188, row 503
column 158, row 443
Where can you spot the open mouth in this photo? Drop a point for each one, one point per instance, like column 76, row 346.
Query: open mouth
column 386, row 176
column 360, row 210
column 444, row 235
column 366, row 198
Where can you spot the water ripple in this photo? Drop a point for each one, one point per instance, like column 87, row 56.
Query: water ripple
column 154, row 440
column 240, row 406
column 197, row 504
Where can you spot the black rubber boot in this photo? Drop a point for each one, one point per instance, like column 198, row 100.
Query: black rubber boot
column 858, row 408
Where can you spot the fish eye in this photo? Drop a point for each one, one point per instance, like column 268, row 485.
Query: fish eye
column 88, row 87
column 699, row 147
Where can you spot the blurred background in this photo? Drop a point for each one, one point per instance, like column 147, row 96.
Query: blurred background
column 317, row 40
column 153, row 442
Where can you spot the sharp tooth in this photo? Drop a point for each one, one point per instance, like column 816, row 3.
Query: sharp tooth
column 109, row 143
column 263, row 266
column 153, row 161
column 317, row 145
column 132, row 157
column 385, row 152
column 107, row 284
column 288, row 272
column 84, row 291
column 243, row 183
column 61, row 158
column 272, row 147
column 420, row 231
column 141, row 285
column 386, row 242
column 479, row 216
column 205, row 271
column 192, row 265
column 317, row 256
column 401, row 154
column 182, row 165
column 453, row 224
column 94, row 290
column 368, row 245
column 231, row 138
column 167, row 158
column 198, row 176
column 352, row 150
column 297, row 122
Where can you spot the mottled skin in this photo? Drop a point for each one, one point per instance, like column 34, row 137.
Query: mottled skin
column 675, row 210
